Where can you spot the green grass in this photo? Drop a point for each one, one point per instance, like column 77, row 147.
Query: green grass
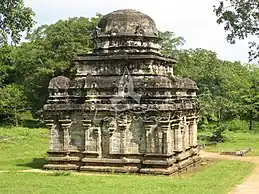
column 218, row 178
column 24, row 148
column 27, row 147
column 236, row 141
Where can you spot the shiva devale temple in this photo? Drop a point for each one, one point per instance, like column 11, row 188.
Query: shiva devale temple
column 124, row 110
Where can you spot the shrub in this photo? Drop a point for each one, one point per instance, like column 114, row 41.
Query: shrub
column 237, row 125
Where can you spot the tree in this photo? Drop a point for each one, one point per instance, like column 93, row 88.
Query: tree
column 48, row 53
column 240, row 19
column 6, row 64
column 64, row 39
column 221, row 84
column 12, row 102
column 249, row 106
column 170, row 43
column 15, row 18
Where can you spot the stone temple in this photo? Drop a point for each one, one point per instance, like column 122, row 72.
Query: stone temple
column 124, row 110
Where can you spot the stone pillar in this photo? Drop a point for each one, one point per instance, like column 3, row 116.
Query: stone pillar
column 114, row 144
column 191, row 132
column 50, row 126
column 157, row 137
column 149, row 138
column 194, row 132
column 56, row 135
column 92, row 138
column 123, row 139
column 171, row 139
column 187, row 135
column 86, row 126
column 131, row 146
column 179, row 137
column 65, row 124
column 114, row 137
column 165, row 138
column 184, row 130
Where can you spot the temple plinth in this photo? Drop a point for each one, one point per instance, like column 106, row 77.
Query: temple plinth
column 125, row 110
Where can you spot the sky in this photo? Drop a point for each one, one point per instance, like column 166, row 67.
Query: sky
column 192, row 19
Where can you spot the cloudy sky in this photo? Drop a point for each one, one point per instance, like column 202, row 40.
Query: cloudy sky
column 192, row 19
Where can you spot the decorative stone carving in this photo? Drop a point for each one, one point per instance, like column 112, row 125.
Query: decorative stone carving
column 59, row 82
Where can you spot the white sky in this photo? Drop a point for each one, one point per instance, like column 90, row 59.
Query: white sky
column 192, row 19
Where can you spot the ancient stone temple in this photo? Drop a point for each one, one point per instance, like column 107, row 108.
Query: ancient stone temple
column 124, row 110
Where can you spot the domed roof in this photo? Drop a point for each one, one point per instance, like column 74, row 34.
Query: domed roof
column 127, row 22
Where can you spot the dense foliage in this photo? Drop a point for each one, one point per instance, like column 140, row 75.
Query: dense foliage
column 46, row 53
column 228, row 90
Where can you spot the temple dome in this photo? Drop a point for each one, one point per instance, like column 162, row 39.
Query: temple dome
column 127, row 22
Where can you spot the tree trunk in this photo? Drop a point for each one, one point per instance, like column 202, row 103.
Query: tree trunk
column 251, row 125
column 16, row 118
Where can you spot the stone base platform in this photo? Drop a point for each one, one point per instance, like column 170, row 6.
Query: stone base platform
column 158, row 164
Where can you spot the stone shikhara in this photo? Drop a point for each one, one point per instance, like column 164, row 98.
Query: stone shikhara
column 124, row 110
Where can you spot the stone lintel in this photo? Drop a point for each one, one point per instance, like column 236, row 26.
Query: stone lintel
column 74, row 151
column 128, row 35
column 164, row 123
column 108, row 107
column 65, row 121
column 49, row 121
column 191, row 118
column 91, row 153
column 122, row 57
column 66, row 107
column 87, row 121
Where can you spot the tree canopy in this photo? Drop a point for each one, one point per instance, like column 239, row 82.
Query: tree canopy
column 15, row 18
column 241, row 21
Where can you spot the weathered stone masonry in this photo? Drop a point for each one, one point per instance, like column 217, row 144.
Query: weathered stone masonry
column 125, row 110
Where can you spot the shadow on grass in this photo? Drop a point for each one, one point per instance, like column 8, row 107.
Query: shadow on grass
column 32, row 124
column 36, row 163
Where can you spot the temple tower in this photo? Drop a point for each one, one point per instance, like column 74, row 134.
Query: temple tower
column 125, row 110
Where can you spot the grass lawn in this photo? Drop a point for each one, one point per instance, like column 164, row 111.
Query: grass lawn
column 218, row 178
column 22, row 148
column 237, row 141
column 26, row 149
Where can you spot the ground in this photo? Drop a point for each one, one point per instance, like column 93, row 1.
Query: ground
column 23, row 150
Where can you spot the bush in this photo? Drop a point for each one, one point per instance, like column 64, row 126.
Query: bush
column 237, row 125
